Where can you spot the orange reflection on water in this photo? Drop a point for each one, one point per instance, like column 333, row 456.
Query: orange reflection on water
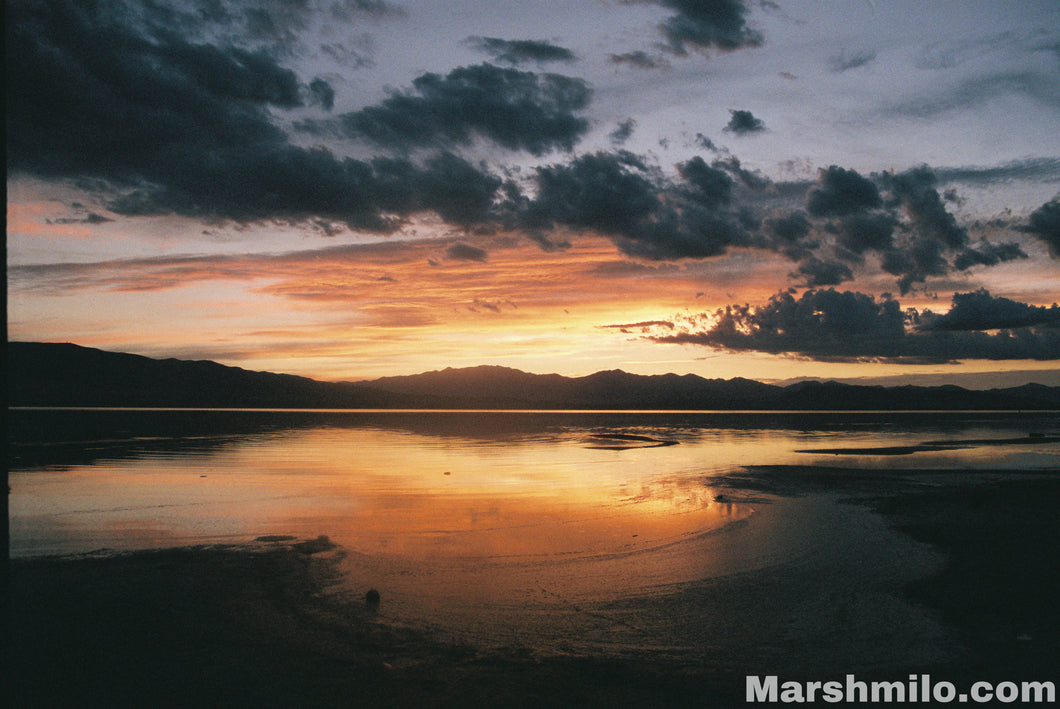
column 477, row 520
column 377, row 492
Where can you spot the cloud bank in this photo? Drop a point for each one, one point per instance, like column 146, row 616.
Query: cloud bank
column 515, row 109
column 829, row 325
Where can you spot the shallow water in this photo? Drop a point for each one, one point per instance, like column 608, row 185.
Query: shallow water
column 565, row 532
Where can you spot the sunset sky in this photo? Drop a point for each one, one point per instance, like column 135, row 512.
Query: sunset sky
column 347, row 189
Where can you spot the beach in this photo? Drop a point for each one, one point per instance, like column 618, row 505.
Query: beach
column 947, row 572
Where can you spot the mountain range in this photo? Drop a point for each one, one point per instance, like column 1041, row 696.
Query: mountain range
column 51, row 374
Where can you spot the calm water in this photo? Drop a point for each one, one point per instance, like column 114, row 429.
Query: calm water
column 483, row 523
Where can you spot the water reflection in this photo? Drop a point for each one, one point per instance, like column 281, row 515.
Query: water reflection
column 428, row 484
column 377, row 491
column 497, row 523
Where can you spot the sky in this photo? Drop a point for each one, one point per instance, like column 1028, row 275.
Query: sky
column 347, row 189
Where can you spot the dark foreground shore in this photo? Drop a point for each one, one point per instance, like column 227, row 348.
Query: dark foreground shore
column 234, row 627
column 256, row 626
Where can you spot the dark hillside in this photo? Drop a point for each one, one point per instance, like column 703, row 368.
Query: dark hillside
column 45, row 374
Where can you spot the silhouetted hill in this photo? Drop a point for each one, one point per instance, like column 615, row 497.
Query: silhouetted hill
column 614, row 389
column 68, row 375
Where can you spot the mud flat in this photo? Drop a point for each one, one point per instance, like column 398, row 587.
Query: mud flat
column 254, row 627
column 894, row 571
column 997, row 530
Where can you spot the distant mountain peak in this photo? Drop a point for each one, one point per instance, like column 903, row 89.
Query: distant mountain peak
column 65, row 374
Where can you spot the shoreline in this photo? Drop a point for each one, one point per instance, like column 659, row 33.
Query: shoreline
column 262, row 624
column 996, row 529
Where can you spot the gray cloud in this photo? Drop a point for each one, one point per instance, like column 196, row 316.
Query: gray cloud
column 987, row 254
column 170, row 122
column 1036, row 169
column 915, row 191
column 621, row 196
column 90, row 218
column 323, row 93
column 979, row 310
column 702, row 25
column 816, row 272
column 842, row 192
column 623, row 132
column 1044, row 223
column 711, row 186
column 139, row 97
column 845, row 62
column 744, row 123
column 868, row 231
column 515, row 109
column 976, row 91
column 639, row 60
column 165, row 126
column 517, row 51
column 465, row 252
column 932, row 233
column 829, row 325
column 790, row 228
column 905, row 223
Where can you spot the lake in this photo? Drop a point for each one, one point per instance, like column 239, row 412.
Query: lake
column 561, row 531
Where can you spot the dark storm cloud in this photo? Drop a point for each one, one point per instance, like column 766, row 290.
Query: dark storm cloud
column 931, row 233
column 702, row 25
column 987, row 254
column 639, row 60
column 322, row 93
column 515, row 109
column 711, row 186
column 842, row 192
column 608, row 192
column 790, row 228
column 166, row 122
column 816, row 272
column 295, row 185
column 621, row 196
column 88, row 95
column 517, row 51
column 906, row 224
column 829, row 325
column 750, row 178
column 455, row 189
column 1044, row 223
column 979, row 310
column 915, row 191
column 165, row 126
column 744, row 123
column 916, row 260
column 465, row 252
column 897, row 222
column 845, row 62
column 868, row 231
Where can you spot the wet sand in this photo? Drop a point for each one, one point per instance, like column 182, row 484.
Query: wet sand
column 969, row 588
